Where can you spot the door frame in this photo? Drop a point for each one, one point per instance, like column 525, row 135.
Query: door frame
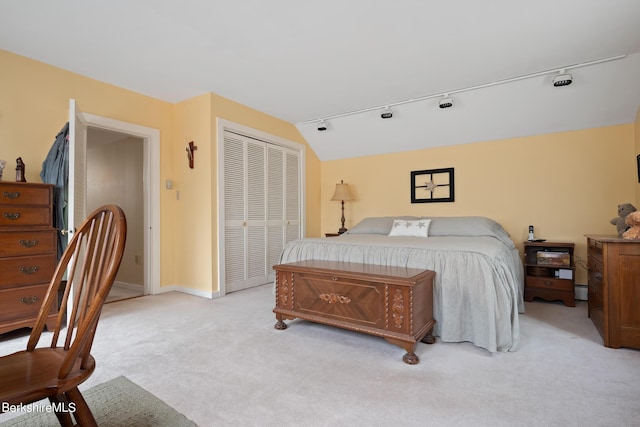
column 223, row 125
column 151, row 192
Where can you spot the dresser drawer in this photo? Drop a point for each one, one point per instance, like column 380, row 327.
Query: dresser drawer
column 550, row 283
column 334, row 297
column 594, row 249
column 19, row 243
column 22, row 194
column 25, row 216
column 595, row 274
column 19, row 271
column 22, row 302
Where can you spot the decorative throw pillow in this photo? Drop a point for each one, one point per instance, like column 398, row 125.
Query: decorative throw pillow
column 376, row 225
column 416, row 228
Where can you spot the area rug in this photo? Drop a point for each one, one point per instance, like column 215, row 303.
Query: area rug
column 118, row 402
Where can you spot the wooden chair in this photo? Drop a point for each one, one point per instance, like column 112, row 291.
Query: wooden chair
column 89, row 266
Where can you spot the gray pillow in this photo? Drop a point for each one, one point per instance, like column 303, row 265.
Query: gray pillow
column 468, row 226
column 377, row 225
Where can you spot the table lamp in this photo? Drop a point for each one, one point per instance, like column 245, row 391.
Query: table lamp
column 341, row 194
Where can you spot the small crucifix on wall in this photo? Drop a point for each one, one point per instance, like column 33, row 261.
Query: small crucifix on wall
column 190, row 153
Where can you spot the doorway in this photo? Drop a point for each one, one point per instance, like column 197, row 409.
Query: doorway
column 143, row 162
column 114, row 176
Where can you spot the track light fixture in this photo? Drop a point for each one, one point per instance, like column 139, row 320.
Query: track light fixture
column 562, row 79
column 322, row 126
column 446, row 102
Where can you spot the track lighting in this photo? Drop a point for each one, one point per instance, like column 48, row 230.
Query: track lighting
column 446, row 102
column 322, row 126
column 386, row 113
column 562, row 79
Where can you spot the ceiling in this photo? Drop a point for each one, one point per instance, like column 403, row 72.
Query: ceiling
column 301, row 61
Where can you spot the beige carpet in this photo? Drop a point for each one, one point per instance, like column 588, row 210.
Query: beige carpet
column 116, row 403
column 220, row 362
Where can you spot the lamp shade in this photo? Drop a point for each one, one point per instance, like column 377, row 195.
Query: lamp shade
column 342, row 192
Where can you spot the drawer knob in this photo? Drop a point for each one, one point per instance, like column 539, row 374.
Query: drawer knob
column 29, row 270
column 548, row 282
column 28, row 243
column 28, row 300
column 11, row 195
column 11, row 215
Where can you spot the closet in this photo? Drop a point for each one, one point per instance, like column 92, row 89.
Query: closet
column 262, row 207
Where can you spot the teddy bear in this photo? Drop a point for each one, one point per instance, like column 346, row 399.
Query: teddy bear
column 623, row 210
column 633, row 221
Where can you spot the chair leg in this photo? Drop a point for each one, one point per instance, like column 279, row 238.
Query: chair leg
column 83, row 414
column 59, row 403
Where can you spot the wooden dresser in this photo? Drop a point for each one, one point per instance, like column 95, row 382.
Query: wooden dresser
column 614, row 289
column 394, row 303
column 28, row 252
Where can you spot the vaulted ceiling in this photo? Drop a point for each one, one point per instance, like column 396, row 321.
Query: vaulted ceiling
column 302, row 62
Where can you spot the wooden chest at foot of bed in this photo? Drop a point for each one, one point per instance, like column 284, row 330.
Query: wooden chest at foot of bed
column 395, row 303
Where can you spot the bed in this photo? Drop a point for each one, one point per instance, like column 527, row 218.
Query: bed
column 479, row 281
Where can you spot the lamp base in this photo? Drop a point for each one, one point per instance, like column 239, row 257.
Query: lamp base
column 341, row 230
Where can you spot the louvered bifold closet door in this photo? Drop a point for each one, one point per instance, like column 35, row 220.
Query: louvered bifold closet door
column 292, row 195
column 275, row 207
column 262, row 208
column 256, row 214
column 235, row 251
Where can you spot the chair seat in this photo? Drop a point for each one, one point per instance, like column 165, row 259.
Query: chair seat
column 29, row 376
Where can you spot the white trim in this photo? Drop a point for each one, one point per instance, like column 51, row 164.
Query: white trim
column 223, row 125
column 130, row 286
column 189, row 291
column 151, row 185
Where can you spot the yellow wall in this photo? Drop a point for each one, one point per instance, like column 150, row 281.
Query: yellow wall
column 196, row 233
column 565, row 184
column 34, row 106
column 191, row 199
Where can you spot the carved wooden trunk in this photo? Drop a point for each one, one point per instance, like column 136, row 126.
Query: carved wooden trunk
column 395, row 303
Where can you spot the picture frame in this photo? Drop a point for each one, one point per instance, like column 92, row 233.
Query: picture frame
column 433, row 185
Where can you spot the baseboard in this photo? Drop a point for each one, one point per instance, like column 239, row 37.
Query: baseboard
column 582, row 292
column 130, row 286
column 190, row 291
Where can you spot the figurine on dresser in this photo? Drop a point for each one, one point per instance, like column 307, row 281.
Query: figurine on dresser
column 20, row 170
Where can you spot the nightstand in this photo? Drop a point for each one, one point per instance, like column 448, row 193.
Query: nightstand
column 331, row 234
column 549, row 272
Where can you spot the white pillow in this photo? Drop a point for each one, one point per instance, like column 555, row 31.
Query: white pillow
column 416, row 228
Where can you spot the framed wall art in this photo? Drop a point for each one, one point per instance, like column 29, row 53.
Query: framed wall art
column 432, row 185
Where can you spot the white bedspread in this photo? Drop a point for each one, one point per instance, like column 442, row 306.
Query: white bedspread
column 478, row 287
